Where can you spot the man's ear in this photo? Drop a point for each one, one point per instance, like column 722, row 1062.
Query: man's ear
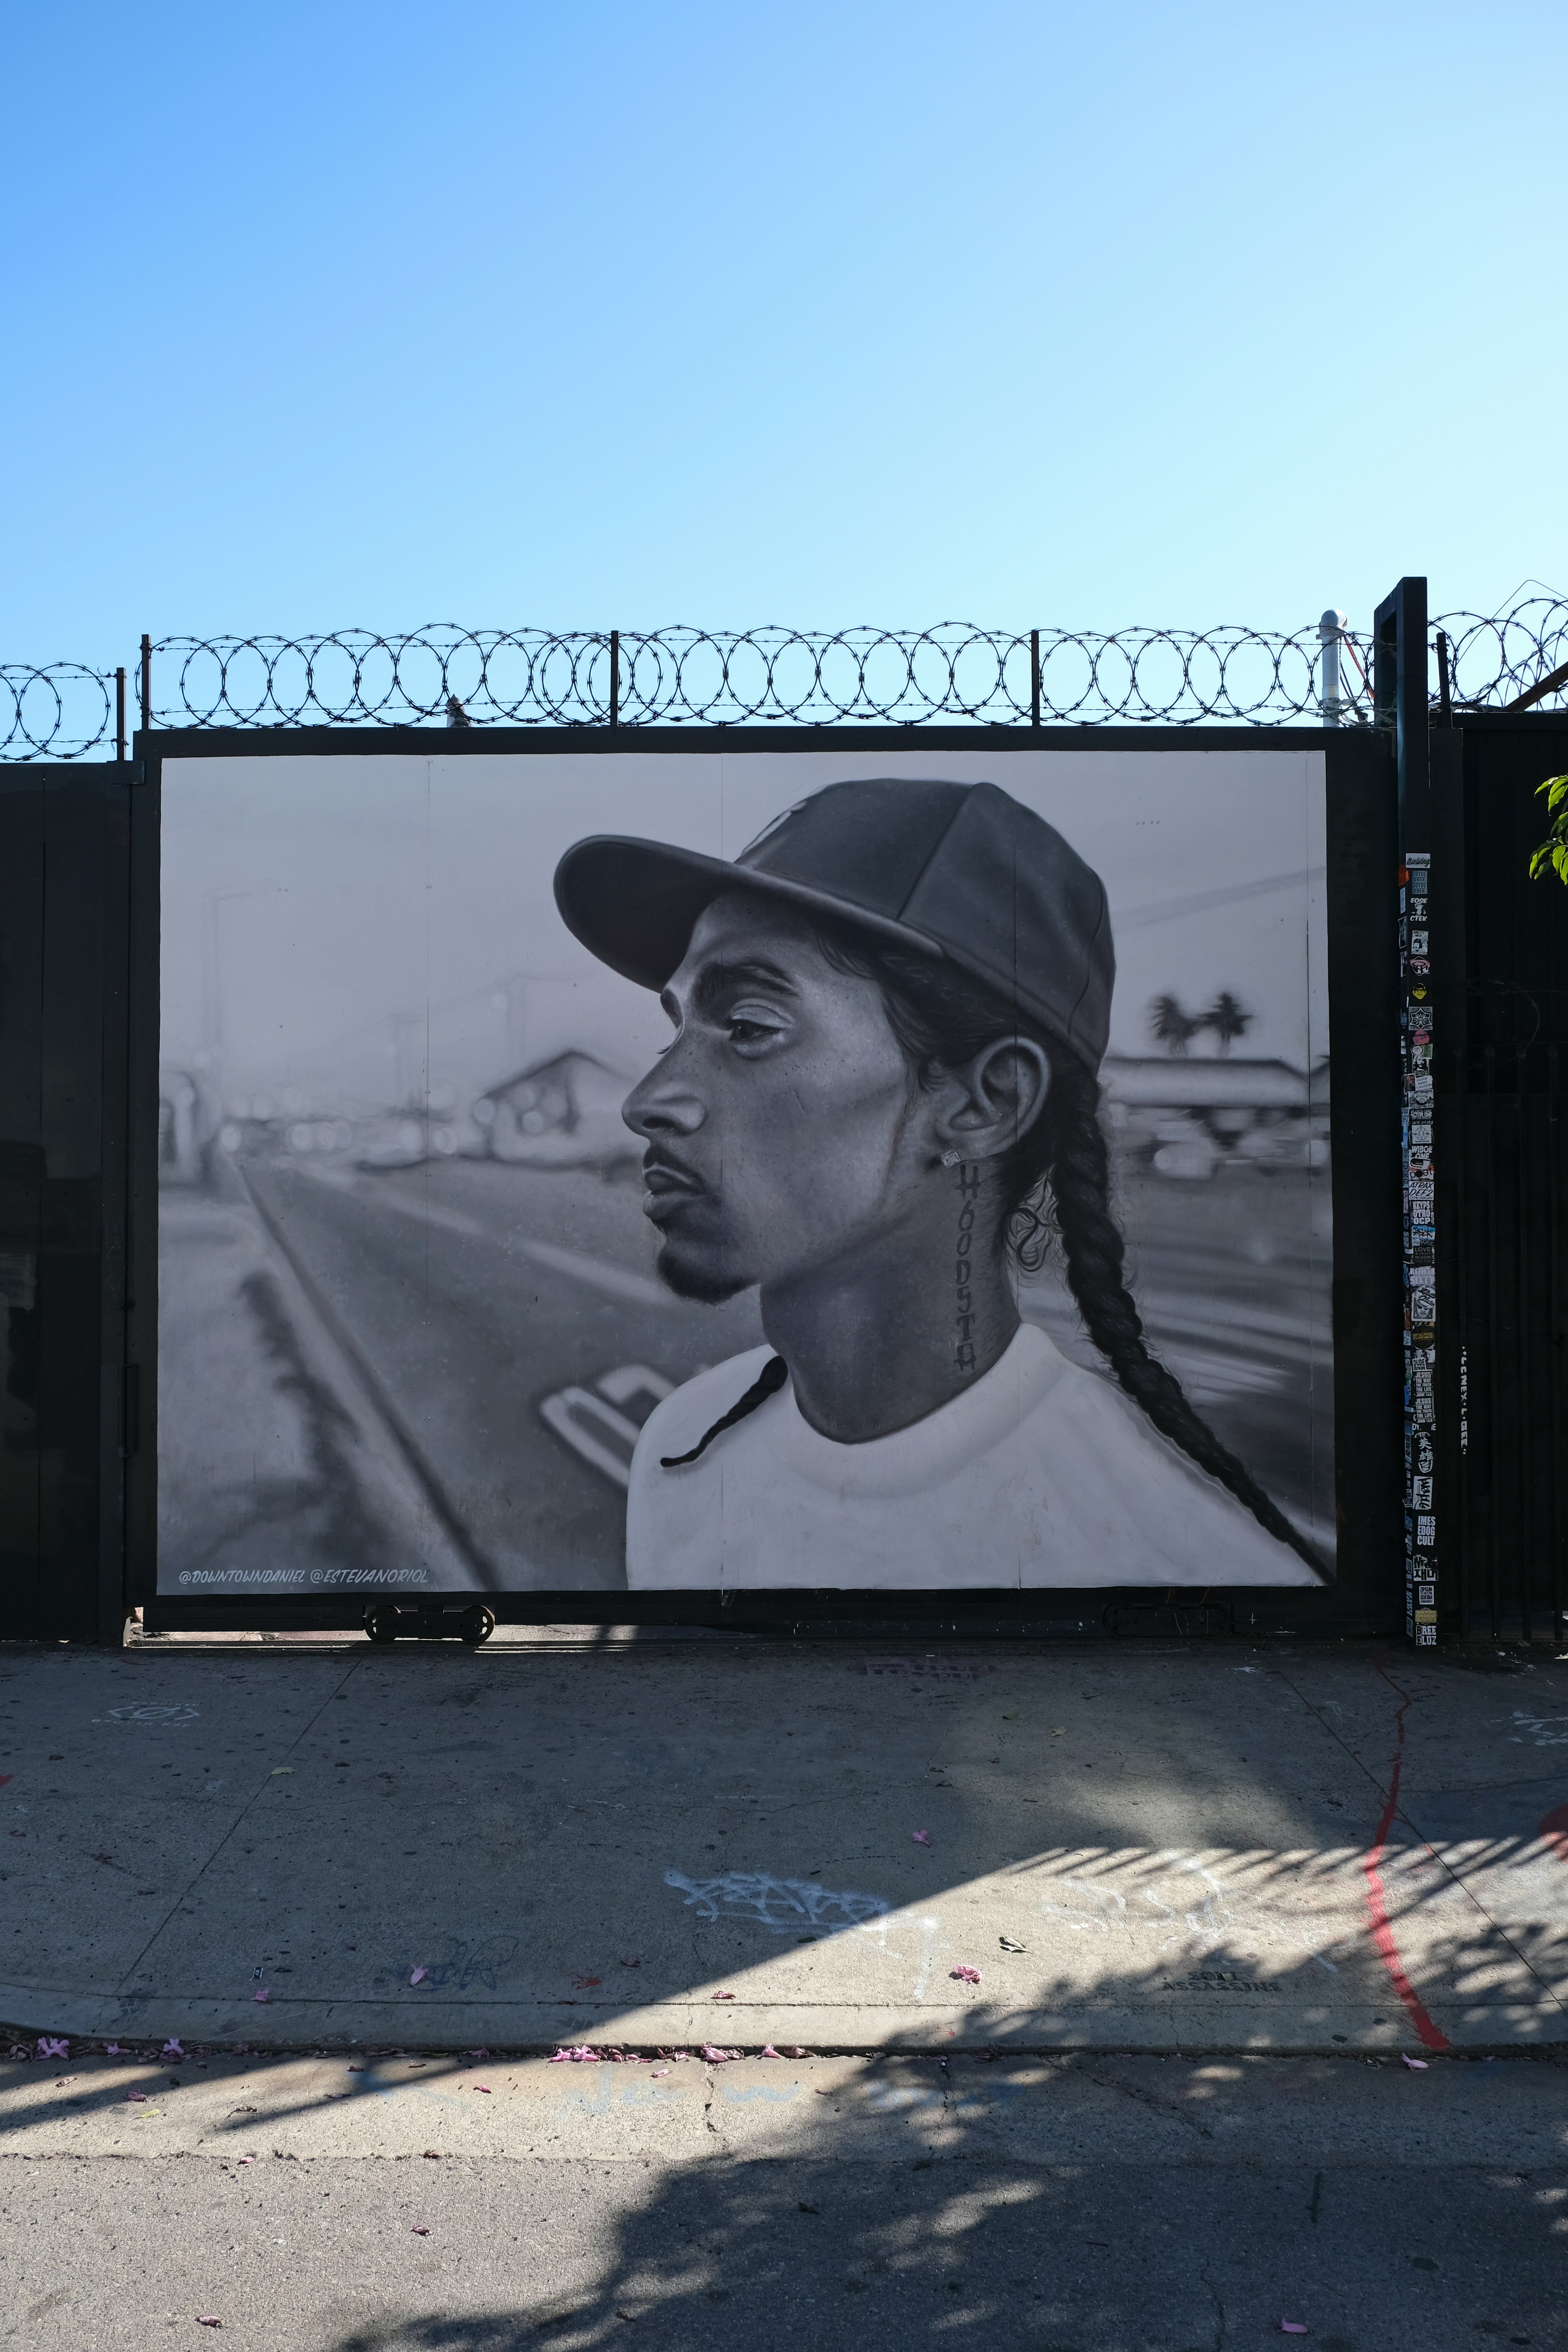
column 995, row 1098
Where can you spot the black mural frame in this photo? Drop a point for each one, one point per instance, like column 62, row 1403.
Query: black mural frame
column 1367, row 1594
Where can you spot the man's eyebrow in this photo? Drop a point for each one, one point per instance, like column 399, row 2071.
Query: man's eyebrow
column 716, row 979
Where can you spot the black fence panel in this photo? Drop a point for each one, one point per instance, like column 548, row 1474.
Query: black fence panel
column 63, row 997
column 1502, row 1113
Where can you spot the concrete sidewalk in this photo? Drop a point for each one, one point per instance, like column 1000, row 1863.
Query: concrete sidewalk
column 722, row 1842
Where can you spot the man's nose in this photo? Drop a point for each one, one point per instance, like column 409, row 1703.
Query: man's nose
column 665, row 1102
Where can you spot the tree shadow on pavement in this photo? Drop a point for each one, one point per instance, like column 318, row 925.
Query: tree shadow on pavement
column 775, row 2256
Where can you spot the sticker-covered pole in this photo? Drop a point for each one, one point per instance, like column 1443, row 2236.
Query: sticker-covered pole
column 1399, row 689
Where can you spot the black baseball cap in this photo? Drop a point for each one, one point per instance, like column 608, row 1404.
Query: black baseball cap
column 960, row 871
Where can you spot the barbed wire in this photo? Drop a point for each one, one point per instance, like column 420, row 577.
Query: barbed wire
column 62, row 711
column 1493, row 660
column 446, row 675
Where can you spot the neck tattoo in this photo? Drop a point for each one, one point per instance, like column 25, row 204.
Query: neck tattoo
column 968, row 1194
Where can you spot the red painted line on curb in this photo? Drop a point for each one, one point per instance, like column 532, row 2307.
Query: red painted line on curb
column 1431, row 2035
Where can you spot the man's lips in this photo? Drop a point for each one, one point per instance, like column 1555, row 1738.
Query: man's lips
column 666, row 1184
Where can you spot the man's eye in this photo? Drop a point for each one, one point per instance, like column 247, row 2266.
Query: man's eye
column 753, row 1025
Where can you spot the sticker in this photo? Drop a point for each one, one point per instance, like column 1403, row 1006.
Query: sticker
column 1419, row 1217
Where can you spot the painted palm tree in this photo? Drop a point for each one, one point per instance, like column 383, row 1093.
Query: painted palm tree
column 1227, row 1019
column 1172, row 1025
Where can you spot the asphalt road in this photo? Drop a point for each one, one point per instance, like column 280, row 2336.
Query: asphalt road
column 1170, row 2207
column 477, row 1294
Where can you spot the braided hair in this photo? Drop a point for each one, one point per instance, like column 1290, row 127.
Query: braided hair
column 1057, row 1180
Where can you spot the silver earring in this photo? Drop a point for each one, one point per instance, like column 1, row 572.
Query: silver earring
column 950, row 1158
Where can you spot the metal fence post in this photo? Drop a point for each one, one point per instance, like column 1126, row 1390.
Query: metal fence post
column 1329, row 629
column 120, row 715
column 146, row 683
column 614, row 677
column 1554, row 1325
column 1526, row 1543
column 1034, row 677
column 1399, row 698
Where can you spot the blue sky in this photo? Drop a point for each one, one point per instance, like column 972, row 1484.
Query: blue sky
column 573, row 317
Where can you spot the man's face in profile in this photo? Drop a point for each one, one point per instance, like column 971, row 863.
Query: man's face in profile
column 781, row 1122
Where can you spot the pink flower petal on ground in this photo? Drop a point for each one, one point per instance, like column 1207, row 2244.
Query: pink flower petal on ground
column 265, row 1994
column 484, row 2087
column 723, row 1995
column 49, row 2048
column 718, row 2057
column 247, row 2159
column 136, row 2098
column 658, row 2071
column 965, row 1975
column 419, row 1976
column 921, row 1837
column 631, row 1964
column 1417, row 2065
column 420, row 2229
column 476, row 2054
column 111, row 2050
column 171, row 2050
column 768, row 2050
column 798, row 2051
column 1294, row 2327
column 208, row 2322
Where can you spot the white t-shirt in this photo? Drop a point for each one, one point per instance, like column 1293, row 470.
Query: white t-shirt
column 1041, row 1474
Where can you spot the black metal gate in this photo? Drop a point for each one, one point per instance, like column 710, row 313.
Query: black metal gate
column 64, row 900
column 1501, row 1149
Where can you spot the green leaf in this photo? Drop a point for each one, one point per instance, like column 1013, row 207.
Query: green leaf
column 1556, row 791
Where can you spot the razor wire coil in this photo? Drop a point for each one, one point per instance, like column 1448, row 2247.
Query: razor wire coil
column 443, row 674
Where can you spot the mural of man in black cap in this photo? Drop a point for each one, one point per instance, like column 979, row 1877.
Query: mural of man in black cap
column 881, row 1097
